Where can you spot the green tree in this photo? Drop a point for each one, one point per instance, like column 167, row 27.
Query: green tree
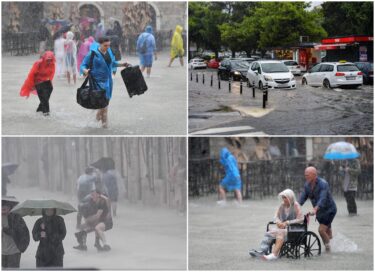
column 282, row 23
column 348, row 18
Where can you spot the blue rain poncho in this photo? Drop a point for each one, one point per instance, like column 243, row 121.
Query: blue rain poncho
column 101, row 72
column 149, row 38
column 232, row 179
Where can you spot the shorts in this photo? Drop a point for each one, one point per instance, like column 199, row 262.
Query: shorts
column 108, row 224
column 145, row 60
column 326, row 217
column 231, row 183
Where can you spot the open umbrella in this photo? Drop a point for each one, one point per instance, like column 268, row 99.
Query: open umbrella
column 341, row 151
column 9, row 168
column 9, row 201
column 35, row 207
column 104, row 164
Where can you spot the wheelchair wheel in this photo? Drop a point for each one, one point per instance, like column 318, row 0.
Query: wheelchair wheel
column 308, row 245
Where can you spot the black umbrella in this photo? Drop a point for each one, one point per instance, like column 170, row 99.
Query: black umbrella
column 62, row 30
column 104, row 164
column 9, row 168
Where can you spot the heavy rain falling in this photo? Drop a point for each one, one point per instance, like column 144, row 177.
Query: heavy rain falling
column 127, row 201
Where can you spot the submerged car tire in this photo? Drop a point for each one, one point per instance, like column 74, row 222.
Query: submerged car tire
column 326, row 84
column 304, row 81
column 260, row 85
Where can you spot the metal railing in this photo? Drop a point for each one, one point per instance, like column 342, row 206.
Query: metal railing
column 268, row 178
column 20, row 44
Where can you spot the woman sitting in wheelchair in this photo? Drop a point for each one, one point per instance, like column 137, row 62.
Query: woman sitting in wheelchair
column 289, row 212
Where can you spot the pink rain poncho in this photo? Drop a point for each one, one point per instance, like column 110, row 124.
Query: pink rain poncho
column 84, row 50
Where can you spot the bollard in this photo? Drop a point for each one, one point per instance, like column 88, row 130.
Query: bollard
column 196, row 77
column 219, row 83
column 229, row 85
column 203, row 78
column 191, row 76
column 266, row 92
column 254, row 89
column 241, row 85
column 248, row 83
column 212, row 79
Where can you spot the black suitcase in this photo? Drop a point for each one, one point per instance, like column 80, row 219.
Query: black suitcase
column 134, row 82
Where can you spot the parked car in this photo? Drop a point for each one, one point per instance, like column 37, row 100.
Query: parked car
column 197, row 64
column 213, row 64
column 367, row 68
column 233, row 68
column 293, row 66
column 249, row 60
column 333, row 74
column 272, row 72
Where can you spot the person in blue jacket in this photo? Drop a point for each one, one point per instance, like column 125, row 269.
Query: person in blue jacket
column 324, row 207
column 104, row 64
column 146, row 48
column 232, row 180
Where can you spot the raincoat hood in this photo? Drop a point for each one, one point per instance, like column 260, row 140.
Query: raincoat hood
column 179, row 29
column 289, row 194
column 224, row 154
column 148, row 29
column 48, row 55
column 70, row 35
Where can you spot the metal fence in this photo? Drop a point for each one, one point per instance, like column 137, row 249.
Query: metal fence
column 268, row 178
column 20, row 44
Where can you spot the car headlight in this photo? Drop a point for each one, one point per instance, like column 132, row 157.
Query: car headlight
column 292, row 77
column 268, row 78
column 237, row 73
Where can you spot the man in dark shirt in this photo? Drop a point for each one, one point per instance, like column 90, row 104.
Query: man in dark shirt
column 324, row 207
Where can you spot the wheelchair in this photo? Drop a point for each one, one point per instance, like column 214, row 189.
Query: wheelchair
column 299, row 242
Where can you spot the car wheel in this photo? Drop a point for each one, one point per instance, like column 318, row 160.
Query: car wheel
column 260, row 85
column 304, row 81
column 326, row 84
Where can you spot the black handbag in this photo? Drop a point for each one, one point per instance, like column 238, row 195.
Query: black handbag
column 134, row 82
column 89, row 96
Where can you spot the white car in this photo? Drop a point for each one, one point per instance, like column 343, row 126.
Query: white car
column 197, row 64
column 293, row 66
column 334, row 74
column 272, row 72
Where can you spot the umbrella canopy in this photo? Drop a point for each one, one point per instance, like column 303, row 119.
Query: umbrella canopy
column 341, row 151
column 9, row 201
column 104, row 164
column 9, row 168
column 35, row 207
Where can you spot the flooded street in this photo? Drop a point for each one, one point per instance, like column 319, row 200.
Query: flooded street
column 220, row 237
column 161, row 110
column 304, row 110
column 142, row 237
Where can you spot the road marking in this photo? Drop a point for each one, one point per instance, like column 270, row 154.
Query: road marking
column 240, row 130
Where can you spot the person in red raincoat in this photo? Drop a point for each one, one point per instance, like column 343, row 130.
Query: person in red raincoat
column 39, row 81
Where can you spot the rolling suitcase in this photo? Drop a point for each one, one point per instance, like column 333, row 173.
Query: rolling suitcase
column 134, row 82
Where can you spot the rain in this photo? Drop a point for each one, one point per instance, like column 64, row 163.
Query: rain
column 149, row 227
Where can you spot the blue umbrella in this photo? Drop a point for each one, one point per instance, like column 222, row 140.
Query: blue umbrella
column 341, row 151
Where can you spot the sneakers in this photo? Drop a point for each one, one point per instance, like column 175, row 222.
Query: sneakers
column 81, row 247
column 256, row 253
column 269, row 257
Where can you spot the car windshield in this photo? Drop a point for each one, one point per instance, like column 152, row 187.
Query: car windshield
column 290, row 63
column 274, row 67
column 240, row 64
column 347, row 68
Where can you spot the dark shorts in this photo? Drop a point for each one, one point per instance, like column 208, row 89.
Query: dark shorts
column 326, row 217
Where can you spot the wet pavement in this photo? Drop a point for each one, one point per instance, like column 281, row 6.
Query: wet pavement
column 220, row 237
column 159, row 111
column 304, row 110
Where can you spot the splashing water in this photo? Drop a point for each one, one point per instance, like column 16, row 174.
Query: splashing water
column 341, row 243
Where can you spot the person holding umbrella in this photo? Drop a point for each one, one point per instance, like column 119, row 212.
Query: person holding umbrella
column 324, row 207
column 49, row 230
column 349, row 170
column 15, row 236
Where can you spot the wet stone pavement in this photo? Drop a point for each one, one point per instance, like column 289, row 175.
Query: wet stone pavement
column 304, row 110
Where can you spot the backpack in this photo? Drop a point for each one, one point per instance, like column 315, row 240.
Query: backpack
column 143, row 47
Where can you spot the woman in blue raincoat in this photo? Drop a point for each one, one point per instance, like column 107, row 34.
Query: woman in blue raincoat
column 232, row 180
column 146, row 49
column 103, row 65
